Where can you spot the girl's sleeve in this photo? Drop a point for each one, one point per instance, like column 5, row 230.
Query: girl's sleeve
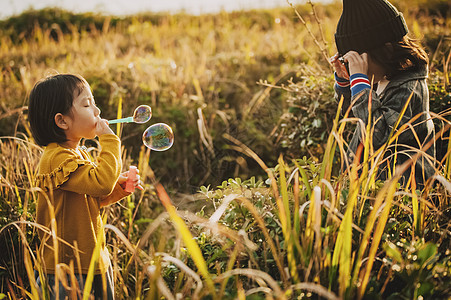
column 117, row 194
column 85, row 177
column 342, row 89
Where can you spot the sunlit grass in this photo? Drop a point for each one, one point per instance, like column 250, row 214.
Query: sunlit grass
column 301, row 230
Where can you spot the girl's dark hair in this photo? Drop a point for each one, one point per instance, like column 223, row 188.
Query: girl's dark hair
column 397, row 57
column 52, row 95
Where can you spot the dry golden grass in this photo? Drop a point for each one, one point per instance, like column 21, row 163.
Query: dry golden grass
column 304, row 232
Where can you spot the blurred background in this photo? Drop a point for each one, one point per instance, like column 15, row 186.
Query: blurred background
column 124, row 7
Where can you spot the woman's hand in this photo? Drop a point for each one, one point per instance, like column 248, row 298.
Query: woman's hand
column 358, row 63
column 339, row 67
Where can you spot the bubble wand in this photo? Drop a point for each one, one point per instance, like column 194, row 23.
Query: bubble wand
column 142, row 114
column 157, row 137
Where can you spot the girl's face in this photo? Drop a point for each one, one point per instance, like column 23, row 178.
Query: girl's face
column 83, row 118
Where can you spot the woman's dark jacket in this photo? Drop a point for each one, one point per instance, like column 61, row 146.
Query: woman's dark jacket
column 385, row 111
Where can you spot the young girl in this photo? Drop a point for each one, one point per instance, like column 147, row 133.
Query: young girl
column 373, row 46
column 62, row 111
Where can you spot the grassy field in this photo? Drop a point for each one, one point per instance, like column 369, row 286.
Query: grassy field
column 250, row 201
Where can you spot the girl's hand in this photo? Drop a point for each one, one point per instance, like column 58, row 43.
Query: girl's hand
column 123, row 177
column 339, row 67
column 103, row 128
column 358, row 63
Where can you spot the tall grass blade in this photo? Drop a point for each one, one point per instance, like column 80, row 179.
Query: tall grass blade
column 93, row 263
column 387, row 200
column 367, row 149
column 27, row 259
column 416, row 208
column 272, row 246
column 182, row 266
column 296, row 217
column 448, row 159
column 313, row 224
column 368, row 140
column 284, row 194
column 230, row 264
column 288, row 235
column 256, row 274
column 343, row 245
column 119, row 116
column 317, row 217
column 326, row 166
column 305, row 179
column 315, row 288
column 193, row 247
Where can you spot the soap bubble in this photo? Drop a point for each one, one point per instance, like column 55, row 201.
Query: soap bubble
column 142, row 114
column 158, row 137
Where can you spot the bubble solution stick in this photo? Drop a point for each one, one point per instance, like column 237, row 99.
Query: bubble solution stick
column 141, row 115
column 129, row 186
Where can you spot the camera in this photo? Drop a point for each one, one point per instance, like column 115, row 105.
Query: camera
column 345, row 63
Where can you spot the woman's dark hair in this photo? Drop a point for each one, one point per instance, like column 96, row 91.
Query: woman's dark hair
column 397, row 57
column 52, row 95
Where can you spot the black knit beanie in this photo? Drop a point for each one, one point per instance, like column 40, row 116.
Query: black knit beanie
column 368, row 24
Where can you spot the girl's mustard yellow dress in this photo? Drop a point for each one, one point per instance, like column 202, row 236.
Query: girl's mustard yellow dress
column 73, row 191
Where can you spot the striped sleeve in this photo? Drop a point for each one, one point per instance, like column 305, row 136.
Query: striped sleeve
column 341, row 84
column 359, row 82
